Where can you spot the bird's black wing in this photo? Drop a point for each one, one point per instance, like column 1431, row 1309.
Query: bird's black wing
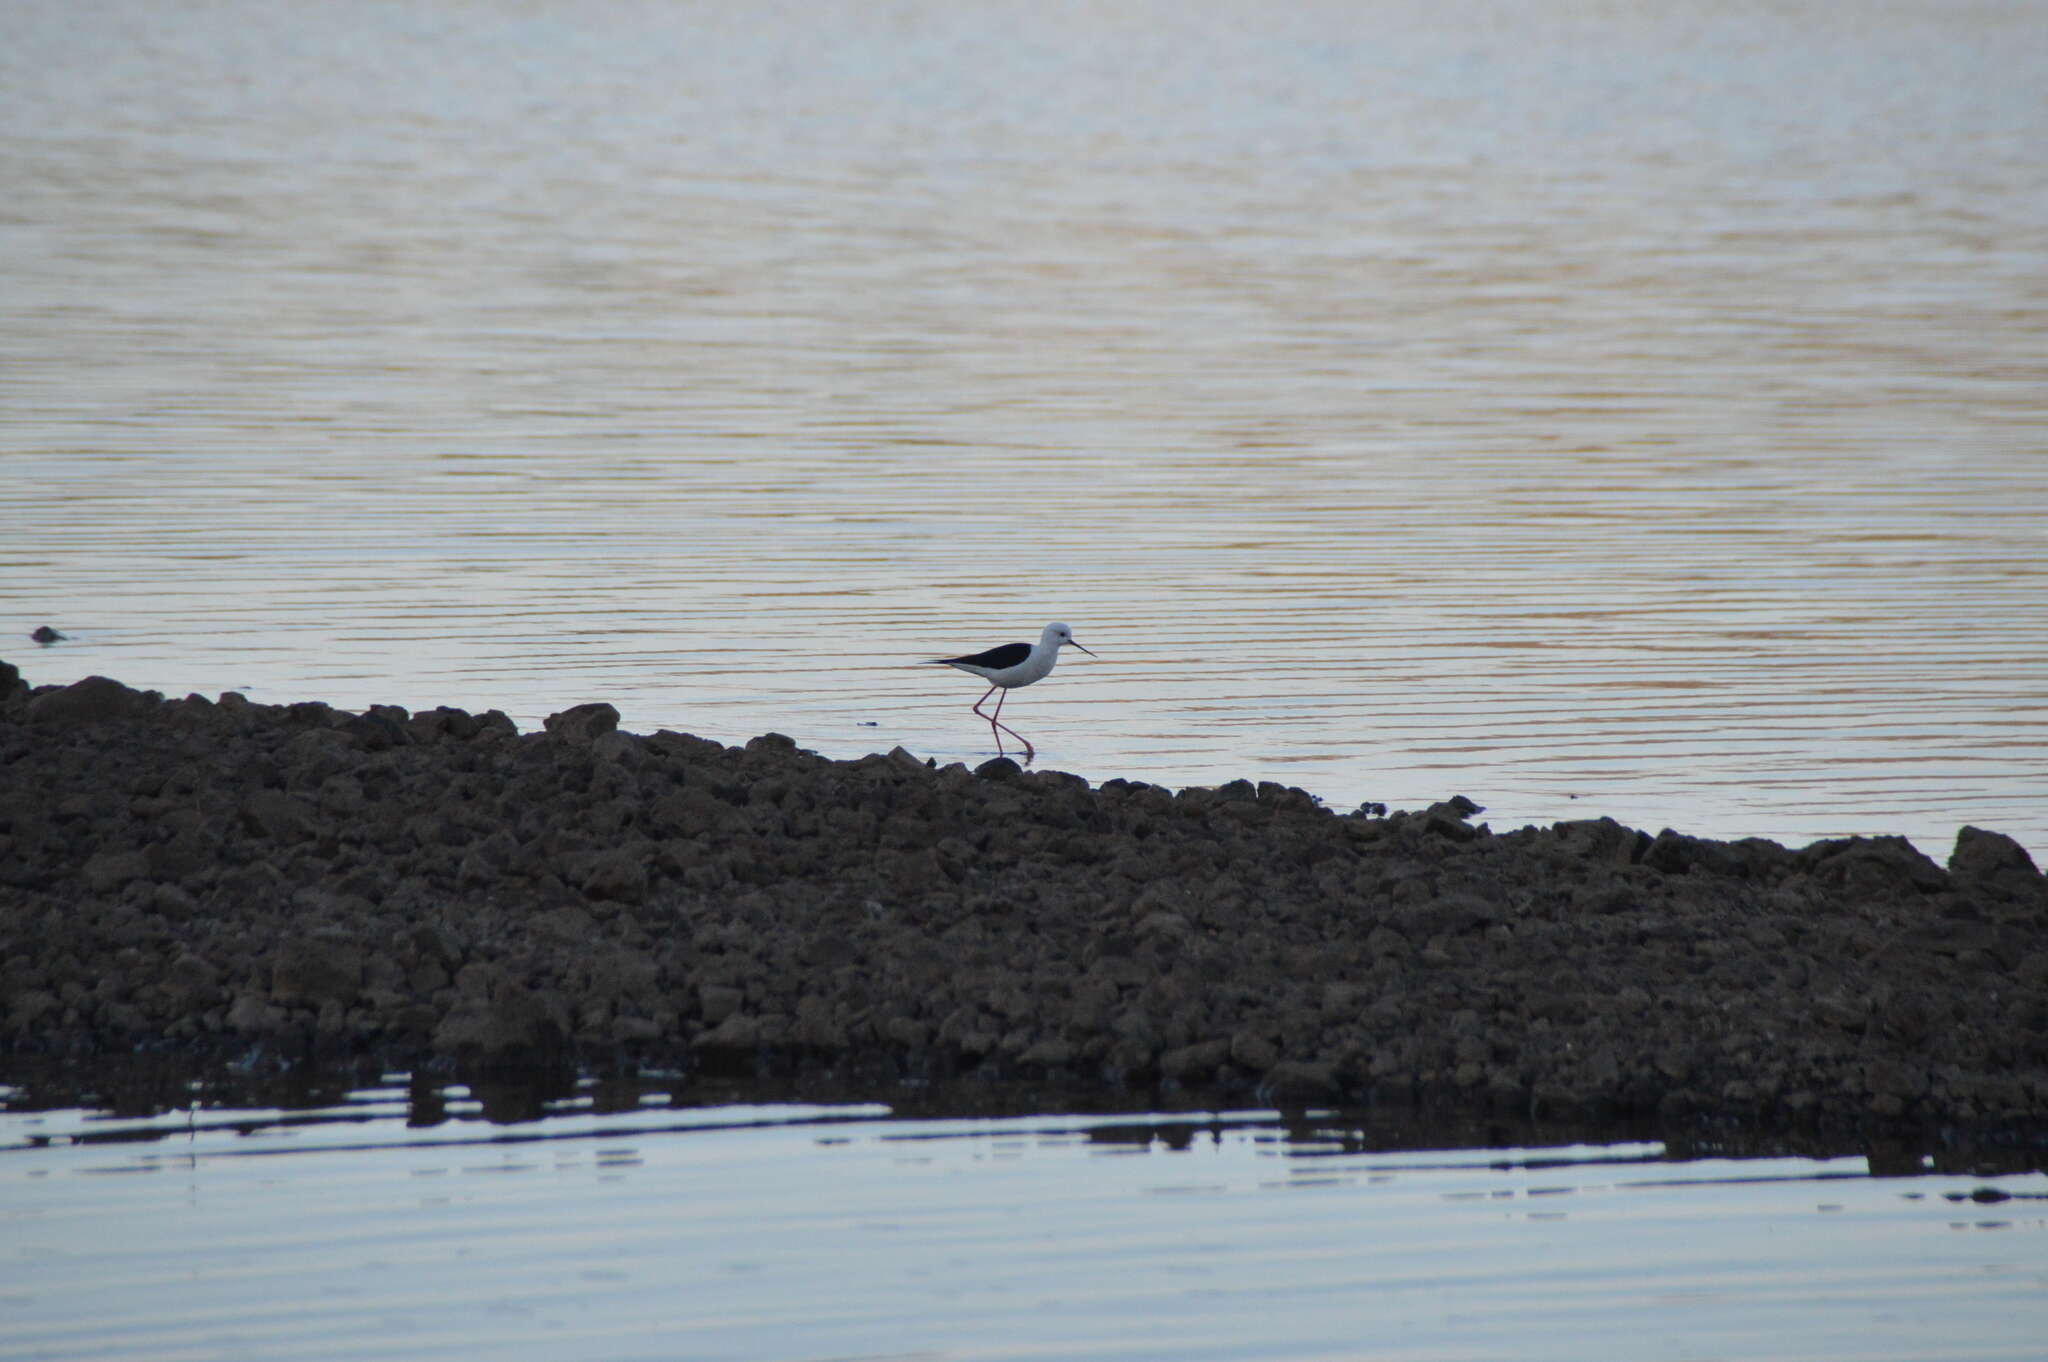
column 995, row 659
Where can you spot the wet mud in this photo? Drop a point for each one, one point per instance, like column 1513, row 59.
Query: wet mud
column 269, row 887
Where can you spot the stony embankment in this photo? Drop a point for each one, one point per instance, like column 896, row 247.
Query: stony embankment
column 237, row 882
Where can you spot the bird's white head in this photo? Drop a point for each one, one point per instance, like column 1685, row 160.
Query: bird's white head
column 1059, row 636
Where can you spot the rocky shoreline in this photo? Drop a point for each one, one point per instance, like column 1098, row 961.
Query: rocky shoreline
column 272, row 886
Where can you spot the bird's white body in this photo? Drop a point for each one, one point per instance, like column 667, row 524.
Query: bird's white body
column 998, row 669
column 1010, row 666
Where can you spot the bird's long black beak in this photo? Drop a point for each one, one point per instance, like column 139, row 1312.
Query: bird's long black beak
column 1085, row 650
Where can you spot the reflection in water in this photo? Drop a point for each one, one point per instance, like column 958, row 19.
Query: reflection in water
column 1589, row 412
column 143, row 1100
column 832, row 1230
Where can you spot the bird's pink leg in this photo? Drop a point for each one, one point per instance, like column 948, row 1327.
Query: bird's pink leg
column 1002, row 728
column 993, row 727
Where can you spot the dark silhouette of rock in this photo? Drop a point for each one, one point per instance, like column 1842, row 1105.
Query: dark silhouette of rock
column 93, row 700
column 582, row 723
column 238, row 881
column 1993, row 860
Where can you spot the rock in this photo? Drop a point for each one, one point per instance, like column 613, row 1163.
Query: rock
column 109, row 870
column 582, row 723
column 1445, row 916
column 1895, row 1078
column 1602, row 840
column 1291, row 1082
column 1872, row 865
column 423, row 890
column 316, row 971
column 375, row 732
column 716, row 1003
column 620, row 876
column 1195, row 1063
column 93, row 700
column 1385, row 941
column 28, row 1009
column 907, row 1032
column 495, row 725
column 517, row 1025
column 571, row 926
column 635, row 1030
column 1254, row 1050
column 1051, row 1053
column 1448, row 819
column 1676, row 854
column 190, row 983
column 1993, row 859
column 253, row 1016
column 278, row 816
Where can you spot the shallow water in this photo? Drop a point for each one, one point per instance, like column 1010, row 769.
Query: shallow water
column 1591, row 409
column 384, row 1224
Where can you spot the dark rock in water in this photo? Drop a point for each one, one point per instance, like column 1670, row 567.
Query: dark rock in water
column 229, row 879
column 45, row 635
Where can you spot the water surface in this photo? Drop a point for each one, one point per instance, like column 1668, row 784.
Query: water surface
column 385, row 1225
column 1591, row 409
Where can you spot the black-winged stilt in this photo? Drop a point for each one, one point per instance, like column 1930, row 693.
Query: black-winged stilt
column 1009, row 666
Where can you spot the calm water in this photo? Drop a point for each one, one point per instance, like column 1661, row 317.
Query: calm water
column 1589, row 408
column 788, row 1232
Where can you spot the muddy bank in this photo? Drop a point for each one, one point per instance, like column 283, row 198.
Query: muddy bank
column 264, row 885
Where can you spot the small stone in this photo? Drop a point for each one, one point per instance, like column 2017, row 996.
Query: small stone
column 907, row 1032
column 279, row 816
column 1192, row 1063
column 715, row 1003
column 617, row 875
column 1385, row 941
column 627, row 1030
column 1293, row 1081
column 517, row 1024
column 315, row 971
column 109, row 870
column 252, row 1016
column 1048, row 1054
column 191, row 983
column 1254, row 1050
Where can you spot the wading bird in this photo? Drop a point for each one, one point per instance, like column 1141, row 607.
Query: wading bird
column 1009, row 666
